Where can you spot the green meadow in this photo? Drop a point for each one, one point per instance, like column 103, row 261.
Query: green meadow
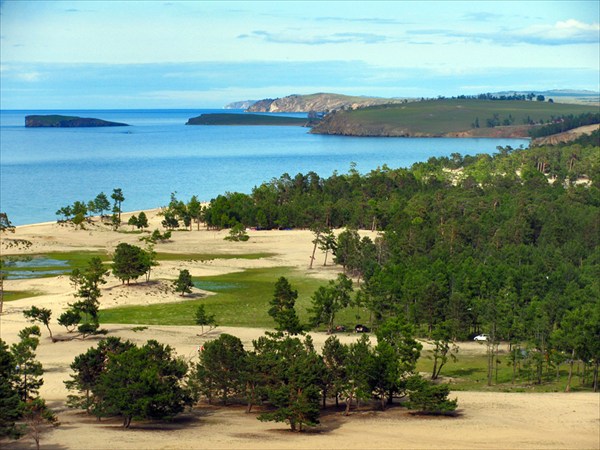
column 241, row 299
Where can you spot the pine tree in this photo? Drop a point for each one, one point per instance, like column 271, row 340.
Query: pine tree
column 204, row 319
column 143, row 383
column 429, row 398
column 334, row 357
column 183, row 283
column 282, row 307
column 220, row 371
column 294, row 391
column 28, row 373
column 87, row 369
column 328, row 300
column 35, row 314
column 10, row 409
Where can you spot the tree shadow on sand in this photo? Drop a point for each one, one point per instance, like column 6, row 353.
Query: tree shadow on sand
column 181, row 421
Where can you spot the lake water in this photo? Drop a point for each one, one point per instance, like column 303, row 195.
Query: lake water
column 44, row 169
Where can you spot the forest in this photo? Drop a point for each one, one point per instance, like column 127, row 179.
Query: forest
column 504, row 244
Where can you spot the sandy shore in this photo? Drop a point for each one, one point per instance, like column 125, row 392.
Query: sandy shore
column 486, row 420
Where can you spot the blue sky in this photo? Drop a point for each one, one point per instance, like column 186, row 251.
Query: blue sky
column 186, row 54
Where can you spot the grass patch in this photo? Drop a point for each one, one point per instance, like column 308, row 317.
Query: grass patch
column 209, row 256
column 469, row 373
column 11, row 296
column 243, row 302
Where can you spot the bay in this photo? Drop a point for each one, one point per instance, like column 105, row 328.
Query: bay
column 44, row 169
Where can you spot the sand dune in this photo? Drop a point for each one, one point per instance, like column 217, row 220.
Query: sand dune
column 486, row 420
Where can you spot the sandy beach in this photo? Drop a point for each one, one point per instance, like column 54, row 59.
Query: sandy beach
column 485, row 420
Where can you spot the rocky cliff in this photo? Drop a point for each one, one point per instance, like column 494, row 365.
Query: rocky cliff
column 317, row 102
column 56, row 121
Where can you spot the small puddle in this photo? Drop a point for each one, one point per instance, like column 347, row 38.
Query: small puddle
column 215, row 286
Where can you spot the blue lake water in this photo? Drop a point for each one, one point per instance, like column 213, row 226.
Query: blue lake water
column 43, row 169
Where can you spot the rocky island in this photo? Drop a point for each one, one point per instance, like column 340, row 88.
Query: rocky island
column 247, row 119
column 58, row 121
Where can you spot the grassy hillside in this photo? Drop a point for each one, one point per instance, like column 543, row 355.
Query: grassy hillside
column 444, row 117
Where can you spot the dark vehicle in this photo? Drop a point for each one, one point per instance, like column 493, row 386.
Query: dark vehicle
column 361, row 329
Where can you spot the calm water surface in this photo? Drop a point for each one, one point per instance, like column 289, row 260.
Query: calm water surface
column 43, row 169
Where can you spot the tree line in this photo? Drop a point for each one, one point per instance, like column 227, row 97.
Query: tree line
column 79, row 211
column 565, row 123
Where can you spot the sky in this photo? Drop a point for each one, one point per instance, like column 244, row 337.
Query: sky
column 90, row 54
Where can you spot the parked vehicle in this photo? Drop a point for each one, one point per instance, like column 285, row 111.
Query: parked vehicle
column 361, row 329
column 481, row 337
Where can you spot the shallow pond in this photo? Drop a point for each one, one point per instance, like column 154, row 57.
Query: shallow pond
column 38, row 267
column 215, row 286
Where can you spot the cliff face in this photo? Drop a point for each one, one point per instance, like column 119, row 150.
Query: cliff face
column 56, row 121
column 316, row 102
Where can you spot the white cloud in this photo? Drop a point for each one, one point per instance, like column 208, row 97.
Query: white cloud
column 566, row 32
column 304, row 39
column 19, row 73
column 31, row 77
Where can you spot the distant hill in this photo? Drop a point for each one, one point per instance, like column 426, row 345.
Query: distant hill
column 242, row 104
column 57, row 121
column 561, row 95
column 321, row 102
column 555, row 92
column 447, row 117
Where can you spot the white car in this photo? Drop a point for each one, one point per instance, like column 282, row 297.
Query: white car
column 481, row 337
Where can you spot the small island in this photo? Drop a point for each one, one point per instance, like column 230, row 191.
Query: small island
column 246, row 119
column 58, row 121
